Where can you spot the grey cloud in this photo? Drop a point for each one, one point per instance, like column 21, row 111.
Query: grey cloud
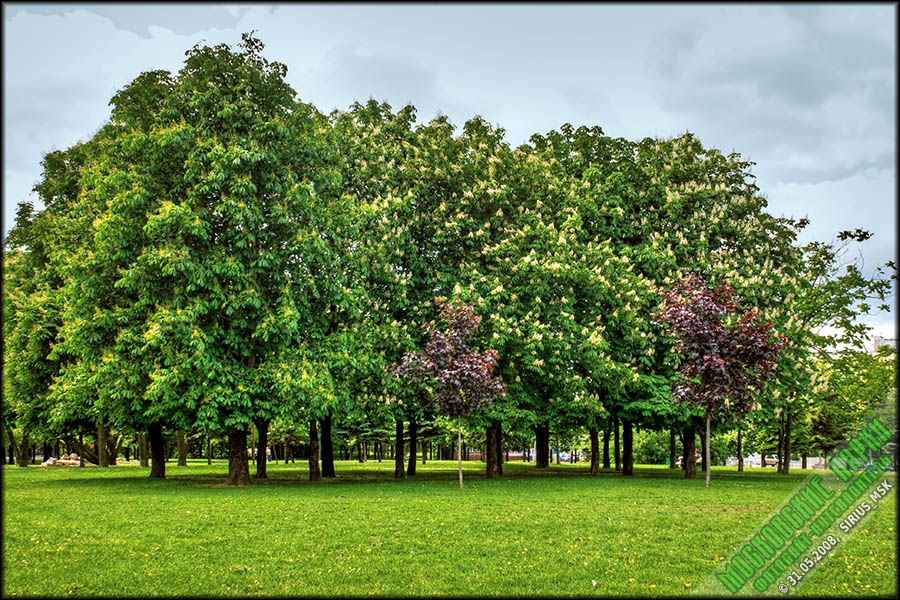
column 380, row 77
column 348, row 74
column 592, row 104
column 138, row 18
column 51, row 106
column 673, row 45
column 805, row 75
column 828, row 93
column 861, row 201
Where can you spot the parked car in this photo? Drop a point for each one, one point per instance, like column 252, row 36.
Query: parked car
column 770, row 459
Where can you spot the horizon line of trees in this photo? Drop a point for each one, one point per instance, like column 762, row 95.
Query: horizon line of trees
column 224, row 260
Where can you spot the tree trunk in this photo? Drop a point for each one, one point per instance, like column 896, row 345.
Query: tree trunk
column 413, row 444
column 490, row 463
column 702, row 451
column 542, row 446
column 687, row 453
column 113, row 446
column 399, row 471
column 360, row 454
column 786, row 462
column 327, row 448
column 182, row 448
column 616, row 449
column 459, row 449
column 498, row 444
column 143, row 450
column 13, row 447
column 157, row 451
column 803, row 461
column 706, row 459
column 262, row 428
column 101, row 446
column 81, row 451
column 20, row 450
column 595, row 451
column 209, row 449
column 238, row 461
column 628, row 448
column 672, row 457
column 557, row 447
column 740, row 452
column 779, row 452
column 314, row 473
column 606, row 433
column 424, row 451
column 88, row 454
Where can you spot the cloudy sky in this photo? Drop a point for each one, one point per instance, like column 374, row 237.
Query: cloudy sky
column 807, row 92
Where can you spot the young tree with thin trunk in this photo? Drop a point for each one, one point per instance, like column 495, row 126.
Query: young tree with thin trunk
column 461, row 377
column 725, row 358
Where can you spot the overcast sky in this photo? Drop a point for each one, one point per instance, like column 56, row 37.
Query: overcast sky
column 807, row 92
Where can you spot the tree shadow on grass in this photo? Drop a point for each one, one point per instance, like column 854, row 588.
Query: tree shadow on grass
column 355, row 474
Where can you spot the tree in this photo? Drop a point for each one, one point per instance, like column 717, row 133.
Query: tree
column 212, row 252
column 462, row 378
column 555, row 290
column 714, row 223
column 817, row 306
column 35, row 257
column 848, row 389
column 402, row 178
column 723, row 363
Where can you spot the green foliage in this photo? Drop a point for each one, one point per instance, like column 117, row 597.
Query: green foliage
column 652, row 447
column 220, row 252
column 848, row 390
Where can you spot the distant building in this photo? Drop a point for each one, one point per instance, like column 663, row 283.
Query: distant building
column 878, row 342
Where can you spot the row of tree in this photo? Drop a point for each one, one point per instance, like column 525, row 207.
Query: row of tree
column 220, row 255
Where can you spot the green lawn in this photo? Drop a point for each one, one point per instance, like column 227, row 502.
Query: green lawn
column 111, row 532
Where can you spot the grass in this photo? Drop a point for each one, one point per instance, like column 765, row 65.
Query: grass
column 114, row 532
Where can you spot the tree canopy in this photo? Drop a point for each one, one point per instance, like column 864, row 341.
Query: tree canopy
column 220, row 256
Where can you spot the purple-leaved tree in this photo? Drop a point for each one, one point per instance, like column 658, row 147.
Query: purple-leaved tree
column 461, row 377
column 725, row 358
